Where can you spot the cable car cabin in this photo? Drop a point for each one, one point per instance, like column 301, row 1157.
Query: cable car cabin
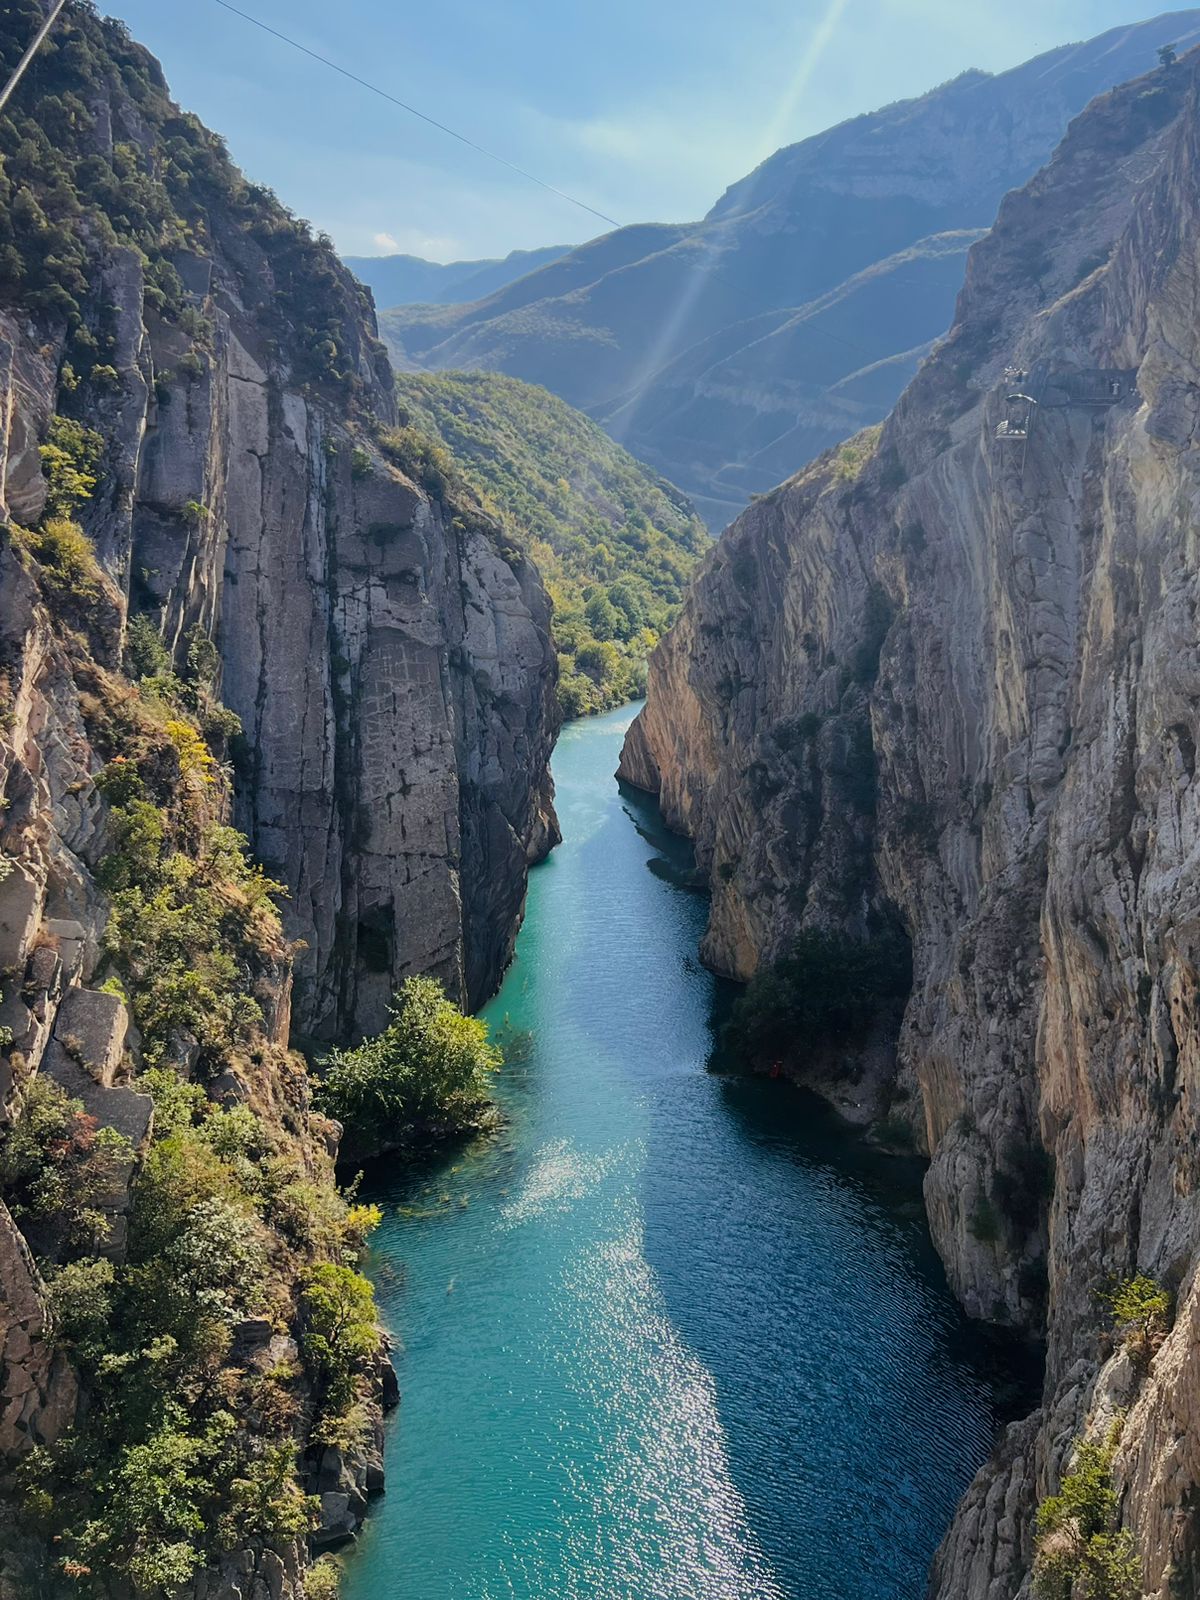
column 1018, row 417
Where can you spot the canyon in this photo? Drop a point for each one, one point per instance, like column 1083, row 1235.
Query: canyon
column 223, row 600
column 278, row 697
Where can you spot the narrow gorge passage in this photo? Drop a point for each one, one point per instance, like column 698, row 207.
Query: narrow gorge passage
column 670, row 1334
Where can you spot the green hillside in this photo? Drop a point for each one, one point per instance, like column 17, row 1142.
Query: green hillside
column 614, row 542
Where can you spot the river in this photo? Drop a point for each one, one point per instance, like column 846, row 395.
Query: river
column 670, row 1335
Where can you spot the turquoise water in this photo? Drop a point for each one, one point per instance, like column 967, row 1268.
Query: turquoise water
column 671, row 1335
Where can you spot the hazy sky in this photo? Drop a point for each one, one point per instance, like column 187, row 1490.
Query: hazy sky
column 647, row 109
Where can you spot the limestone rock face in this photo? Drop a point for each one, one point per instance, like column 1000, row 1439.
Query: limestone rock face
column 388, row 655
column 38, row 1391
column 394, row 676
column 956, row 676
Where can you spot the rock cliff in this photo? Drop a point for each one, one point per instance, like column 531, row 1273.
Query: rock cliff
column 951, row 671
column 386, row 651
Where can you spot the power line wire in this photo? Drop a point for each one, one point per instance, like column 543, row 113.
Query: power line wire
column 412, row 111
column 35, row 44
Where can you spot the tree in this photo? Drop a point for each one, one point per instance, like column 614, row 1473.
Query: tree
column 431, row 1063
column 602, row 616
column 600, row 661
column 341, row 1334
column 1167, row 55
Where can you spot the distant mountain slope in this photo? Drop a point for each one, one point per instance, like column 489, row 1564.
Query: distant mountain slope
column 614, row 543
column 410, row 280
column 727, row 352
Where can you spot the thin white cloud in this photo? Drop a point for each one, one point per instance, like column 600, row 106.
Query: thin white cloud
column 385, row 241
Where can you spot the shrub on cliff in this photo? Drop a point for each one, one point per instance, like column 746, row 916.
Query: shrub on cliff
column 340, row 1332
column 1079, row 1549
column 56, row 1169
column 431, row 1064
column 70, row 464
column 1141, row 1315
column 827, row 988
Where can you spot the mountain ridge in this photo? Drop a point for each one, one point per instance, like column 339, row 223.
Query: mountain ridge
column 407, row 280
column 812, row 216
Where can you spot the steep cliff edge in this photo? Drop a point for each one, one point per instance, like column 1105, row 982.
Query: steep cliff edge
column 954, row 675
column 385, row 648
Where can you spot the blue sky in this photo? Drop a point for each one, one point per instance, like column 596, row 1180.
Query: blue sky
column 647, row 109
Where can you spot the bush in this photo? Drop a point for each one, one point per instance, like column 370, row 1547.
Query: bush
column 853, row 456
column 323, row 1580
column 431, row 1064
column 1079, row 1551
column 148, row 655
column 337, row 1306
column 81, row 1306
column 1141, row 1314
column 828, row 987
column 183, row 929
column 600, row 661
column 71, row 464
column 57, row 1169
column 421, row 458
column 67, row 558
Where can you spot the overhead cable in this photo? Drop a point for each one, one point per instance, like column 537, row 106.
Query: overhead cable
column 412, row 111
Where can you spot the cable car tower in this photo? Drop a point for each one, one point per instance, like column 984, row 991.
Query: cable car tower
column 1029, row 393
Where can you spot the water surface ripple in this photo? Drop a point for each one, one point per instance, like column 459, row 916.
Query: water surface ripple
column 671, row 1335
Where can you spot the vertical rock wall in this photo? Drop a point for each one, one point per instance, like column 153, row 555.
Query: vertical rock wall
column 389, row 656
column 1013, row 622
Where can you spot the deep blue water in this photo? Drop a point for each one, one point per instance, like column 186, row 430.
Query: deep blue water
column 671, row 1335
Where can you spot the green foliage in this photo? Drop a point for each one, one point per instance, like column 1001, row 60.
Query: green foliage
column 424, row 460
column 1141, row 1314
column 69, row 197
column 430, row 1064
column 71, row 464
column 828, row 987
column 852, row 457
column 1138, row 1301
column 67, row 558
column 323, row 1581
column 341, row 1332
column 184, row 926
column 57, row 1168
column 614, row 544
column 179, row 1457
column 148, row 655
column 1080, row 1554
column 183, row 1488
column 81, row 1306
